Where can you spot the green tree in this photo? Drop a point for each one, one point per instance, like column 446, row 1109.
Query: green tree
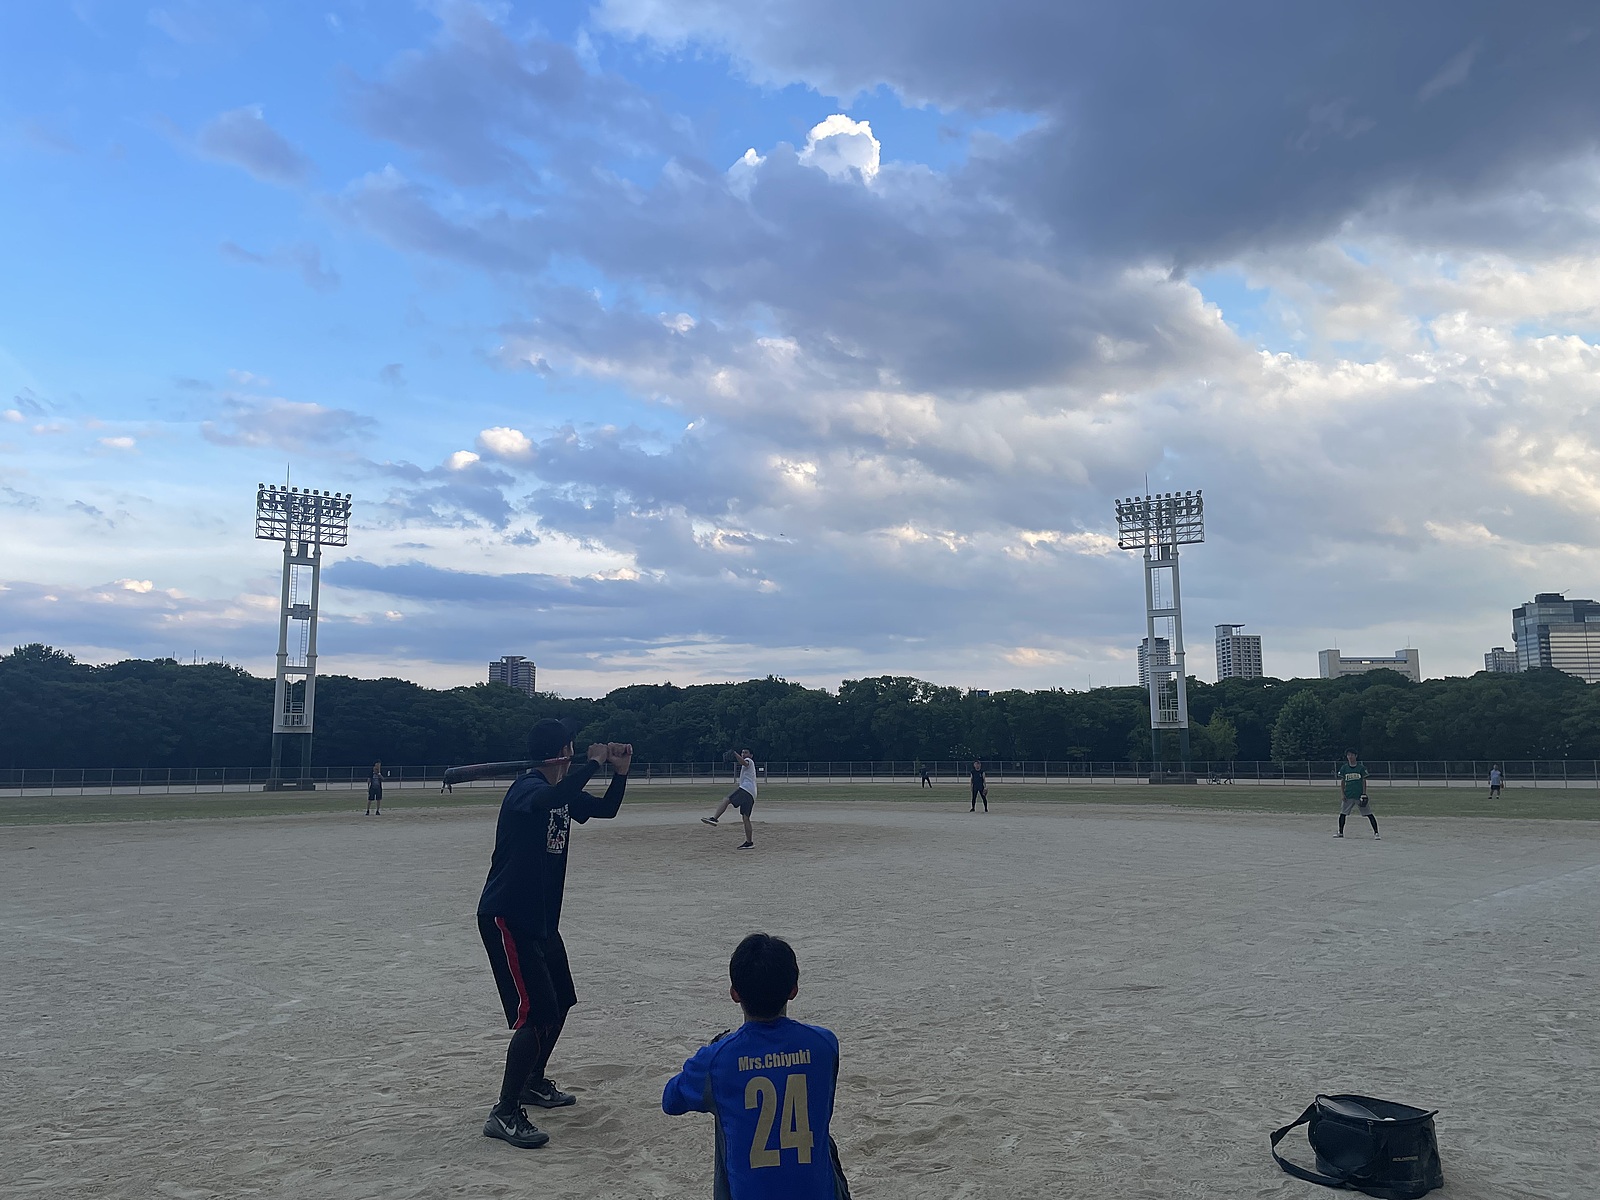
column 1301, row 730
column 1217, row 740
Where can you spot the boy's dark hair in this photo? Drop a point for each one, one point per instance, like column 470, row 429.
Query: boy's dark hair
column 764, row 971
column 1350, row 752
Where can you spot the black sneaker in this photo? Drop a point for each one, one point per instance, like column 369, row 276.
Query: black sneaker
column 748, row 846
column 514, row 1127
column 546, row 1094
column 708, row 820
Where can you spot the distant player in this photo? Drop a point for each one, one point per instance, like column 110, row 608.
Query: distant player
column 926, row 782
column 980, row 787
column 1352, row 778
column 1495, row 780
column 769, row 1086
column 520, row 913
column 375, row 789
column 742, row 797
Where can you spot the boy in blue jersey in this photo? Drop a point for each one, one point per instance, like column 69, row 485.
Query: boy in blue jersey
column 768, row 1085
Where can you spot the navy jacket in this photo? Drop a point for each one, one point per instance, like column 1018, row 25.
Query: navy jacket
column 528, row 872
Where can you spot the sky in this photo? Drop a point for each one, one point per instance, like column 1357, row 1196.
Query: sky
column 696, row 340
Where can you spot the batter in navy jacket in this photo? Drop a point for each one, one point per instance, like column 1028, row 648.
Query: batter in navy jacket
column 519, row 915
column 769, row 1086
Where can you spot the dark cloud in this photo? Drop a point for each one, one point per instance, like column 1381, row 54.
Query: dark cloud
column 243, row 137
column 301, row 256
column 482, row 106
column 461, row 496
column 393, row 375
column 29, row 403
column 1184, row 132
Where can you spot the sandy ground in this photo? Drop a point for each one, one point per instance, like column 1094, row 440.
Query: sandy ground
column 1040, row 1002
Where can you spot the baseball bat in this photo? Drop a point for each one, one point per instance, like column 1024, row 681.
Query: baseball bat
column 494, row 770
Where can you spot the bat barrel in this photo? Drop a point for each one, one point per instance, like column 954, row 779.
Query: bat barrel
column 497, row 770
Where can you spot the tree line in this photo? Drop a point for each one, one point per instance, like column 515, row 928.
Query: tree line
column 57, row 712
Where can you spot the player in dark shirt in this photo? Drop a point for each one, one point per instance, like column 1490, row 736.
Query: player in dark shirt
column 519, row 915
column 375, row 789
column 980, row 787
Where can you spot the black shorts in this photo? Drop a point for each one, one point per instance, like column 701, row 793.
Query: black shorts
column 742, row 800
column 532, row 974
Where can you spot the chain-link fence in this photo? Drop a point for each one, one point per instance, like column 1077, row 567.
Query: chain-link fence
column 1550, row 773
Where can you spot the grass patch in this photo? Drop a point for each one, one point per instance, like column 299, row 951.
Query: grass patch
column 1581, row 804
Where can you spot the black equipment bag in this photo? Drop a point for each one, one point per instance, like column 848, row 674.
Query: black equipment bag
column 1378, row 1147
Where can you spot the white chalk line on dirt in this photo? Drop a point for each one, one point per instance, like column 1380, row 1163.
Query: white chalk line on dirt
column 1554, row 885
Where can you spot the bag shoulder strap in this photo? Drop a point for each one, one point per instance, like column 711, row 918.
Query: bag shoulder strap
column 1298, row 1171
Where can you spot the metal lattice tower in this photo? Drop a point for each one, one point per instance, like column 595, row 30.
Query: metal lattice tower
column 1158, row 525
column 304, row 521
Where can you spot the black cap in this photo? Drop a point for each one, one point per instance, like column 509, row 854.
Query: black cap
column 549, row 737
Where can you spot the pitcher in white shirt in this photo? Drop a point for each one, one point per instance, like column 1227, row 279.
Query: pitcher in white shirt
column 742, row 797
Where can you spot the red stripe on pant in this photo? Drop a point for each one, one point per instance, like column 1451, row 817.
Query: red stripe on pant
column 510, row 946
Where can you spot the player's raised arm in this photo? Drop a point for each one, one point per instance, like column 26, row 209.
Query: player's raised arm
column 584, row 806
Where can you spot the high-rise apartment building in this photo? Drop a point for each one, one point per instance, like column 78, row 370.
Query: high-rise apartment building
column 514, row 671
column 1501, row 660
column 1238, row 654
column 1333, row 665
column 1161, row 657
column 1552, row 631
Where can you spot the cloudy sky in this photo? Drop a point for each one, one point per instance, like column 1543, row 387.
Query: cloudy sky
column 705, row 339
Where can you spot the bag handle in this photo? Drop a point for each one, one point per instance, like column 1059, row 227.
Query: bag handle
column 1300, row 1172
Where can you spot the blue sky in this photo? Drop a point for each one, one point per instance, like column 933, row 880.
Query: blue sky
column 611, row 398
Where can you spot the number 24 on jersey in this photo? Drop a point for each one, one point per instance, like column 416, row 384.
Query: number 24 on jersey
column 794, row 1123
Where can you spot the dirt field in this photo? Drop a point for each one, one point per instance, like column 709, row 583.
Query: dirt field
column 1046, row 1001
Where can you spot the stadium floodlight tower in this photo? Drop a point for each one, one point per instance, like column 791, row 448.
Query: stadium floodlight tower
column 1158, row 525
column 304, row 521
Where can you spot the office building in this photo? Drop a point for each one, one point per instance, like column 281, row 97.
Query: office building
column 1501, row 660
column 1238, row 654
column 1334, row 665
column 514, row 671
column 1552, row 631
column 1162, row 657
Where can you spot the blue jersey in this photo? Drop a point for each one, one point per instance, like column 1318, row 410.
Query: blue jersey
column 769, row 1085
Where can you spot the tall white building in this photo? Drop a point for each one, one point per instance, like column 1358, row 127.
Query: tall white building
column 1552, row 631
column 1162, row 657
column 514, row 671
column 1501, row 660
column 1238, row 654
column 1333, row 664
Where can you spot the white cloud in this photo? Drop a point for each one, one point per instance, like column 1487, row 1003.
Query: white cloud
column 461, row 460
column 118, row 443
column 506, row 443
column 1453, row 74
column 142, row 586
column 742, row 175
column 13, row 416
column 839, row 145
column 284, row 424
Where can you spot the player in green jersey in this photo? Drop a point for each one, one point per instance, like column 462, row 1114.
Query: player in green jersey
column 1352, row 776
